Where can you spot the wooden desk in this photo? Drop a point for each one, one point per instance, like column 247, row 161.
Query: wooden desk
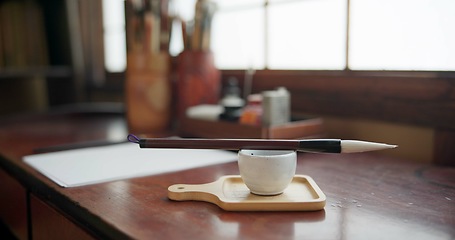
column 368, row 196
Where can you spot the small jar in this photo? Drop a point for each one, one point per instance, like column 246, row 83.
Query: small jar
column 232, row 102
column 252, row 113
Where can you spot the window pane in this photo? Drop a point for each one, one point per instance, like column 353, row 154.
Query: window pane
column 232, row 5
column 114, row 35
column 402, row 35
column 115, row 52
column 238, row 38
column 182, row 8
column 307, row 35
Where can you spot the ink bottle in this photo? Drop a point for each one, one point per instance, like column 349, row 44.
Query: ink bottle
column 231, row 102
column 252, row 112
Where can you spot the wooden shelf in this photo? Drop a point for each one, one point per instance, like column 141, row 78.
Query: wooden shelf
column 27, row 72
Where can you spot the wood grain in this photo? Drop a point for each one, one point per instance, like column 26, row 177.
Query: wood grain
column 230, row 193
column 445, row 147
column 368, row 195
column 13, row 205
column 50, row 224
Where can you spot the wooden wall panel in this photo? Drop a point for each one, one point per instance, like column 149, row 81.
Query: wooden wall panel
column 425, row 99
column 47, row 223
column 445, row 147
column 13, row 205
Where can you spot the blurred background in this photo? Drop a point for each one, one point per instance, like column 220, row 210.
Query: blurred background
column 373, row 70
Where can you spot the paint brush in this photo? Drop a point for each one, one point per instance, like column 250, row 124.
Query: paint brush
column 305, row 145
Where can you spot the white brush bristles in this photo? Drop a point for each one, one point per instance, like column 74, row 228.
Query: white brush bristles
column 352, row 146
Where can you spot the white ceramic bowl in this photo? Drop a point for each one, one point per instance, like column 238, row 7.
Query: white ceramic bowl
column 267, row 172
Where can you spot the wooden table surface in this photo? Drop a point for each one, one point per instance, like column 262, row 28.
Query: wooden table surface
column 369, row 196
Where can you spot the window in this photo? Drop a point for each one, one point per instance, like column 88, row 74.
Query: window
column 114, row 35
column 402, row 35
column 314, row 34
column 306, row 35
column 238, row 35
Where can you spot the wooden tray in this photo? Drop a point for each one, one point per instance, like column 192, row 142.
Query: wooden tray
column 309, row 128
column 231, row 194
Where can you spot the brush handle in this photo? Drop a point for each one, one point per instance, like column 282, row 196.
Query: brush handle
column 227, row 144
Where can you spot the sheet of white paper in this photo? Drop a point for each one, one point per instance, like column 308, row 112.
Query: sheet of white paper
column 80, row 167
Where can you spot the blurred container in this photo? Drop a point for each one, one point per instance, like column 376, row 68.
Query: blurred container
column 148, row 86
column 276, row 107
column 198, row 80
column 252, row 112
column 232, row 102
